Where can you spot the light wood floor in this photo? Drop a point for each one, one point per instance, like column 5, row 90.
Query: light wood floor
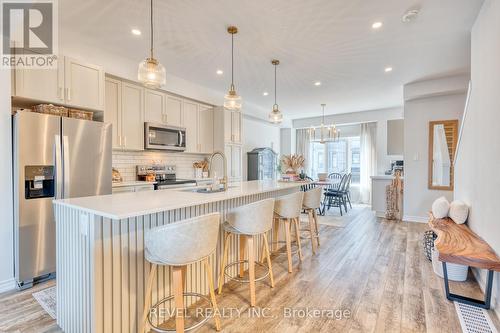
column 373, row 268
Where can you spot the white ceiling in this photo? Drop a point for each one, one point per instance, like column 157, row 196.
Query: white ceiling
column 316, row 40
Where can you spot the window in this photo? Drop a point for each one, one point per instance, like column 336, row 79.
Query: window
column 342, row 156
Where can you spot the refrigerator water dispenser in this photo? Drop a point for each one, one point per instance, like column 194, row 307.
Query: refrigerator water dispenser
column 39, row 181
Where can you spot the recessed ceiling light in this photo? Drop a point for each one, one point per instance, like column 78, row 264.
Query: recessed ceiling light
column 388, row 69
column 377, row 25
column 265, row 93
column 317, row 83
column 219, row 72
column 136, row 32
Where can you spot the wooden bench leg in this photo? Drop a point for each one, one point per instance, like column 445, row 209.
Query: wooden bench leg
column 467, row 300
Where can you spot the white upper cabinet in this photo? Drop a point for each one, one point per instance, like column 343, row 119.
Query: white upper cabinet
column 206, row 129
column 132, row 116
column 113, row 109
column 190, row 122
column 174, row 111
column 84, row 84
column 73, row 83
column 232, row 126
column 41, row 85
column 155, row 106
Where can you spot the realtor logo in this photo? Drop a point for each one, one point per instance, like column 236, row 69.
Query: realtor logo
column 29, row 34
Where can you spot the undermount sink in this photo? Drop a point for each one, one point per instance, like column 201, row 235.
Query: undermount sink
column 207, row 190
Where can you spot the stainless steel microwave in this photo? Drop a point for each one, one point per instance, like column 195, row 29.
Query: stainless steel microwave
column 162, row 137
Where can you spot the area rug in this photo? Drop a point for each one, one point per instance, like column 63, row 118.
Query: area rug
column 47, row 299
column 333, row 218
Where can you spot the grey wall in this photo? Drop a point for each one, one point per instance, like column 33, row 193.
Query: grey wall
column 395, row 137
column 477, row 180
column 418, row 112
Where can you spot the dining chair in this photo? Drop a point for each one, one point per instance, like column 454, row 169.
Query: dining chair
column 335, row 197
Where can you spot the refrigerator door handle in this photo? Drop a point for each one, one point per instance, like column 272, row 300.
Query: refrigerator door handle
column 58, row 166
column 66, row 166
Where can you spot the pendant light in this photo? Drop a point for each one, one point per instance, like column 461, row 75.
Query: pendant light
column 151, row 73
column 275, row 116
column 232, row 100
column 326, row 133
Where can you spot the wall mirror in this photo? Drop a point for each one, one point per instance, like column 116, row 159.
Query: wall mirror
column 443, row 136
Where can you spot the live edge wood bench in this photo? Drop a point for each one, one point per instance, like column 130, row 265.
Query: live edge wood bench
column 457, row 244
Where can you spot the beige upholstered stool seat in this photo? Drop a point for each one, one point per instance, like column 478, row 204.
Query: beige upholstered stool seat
column 287, row 209
column 178, row 245
column 247, row 221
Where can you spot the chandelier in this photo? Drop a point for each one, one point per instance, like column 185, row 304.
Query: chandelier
column 326, row 133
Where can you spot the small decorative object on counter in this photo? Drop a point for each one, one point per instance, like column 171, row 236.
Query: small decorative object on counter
column 291, row 164
column 200, row 169
column 394, row 198
column 116, row 176
column 428, row 243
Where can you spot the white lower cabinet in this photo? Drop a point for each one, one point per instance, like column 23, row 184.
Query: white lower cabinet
column 133, row 188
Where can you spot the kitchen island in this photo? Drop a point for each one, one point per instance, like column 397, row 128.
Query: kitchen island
column 101, row 271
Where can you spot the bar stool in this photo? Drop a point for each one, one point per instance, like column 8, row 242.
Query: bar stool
column 287, row 209
column 247, row 221
column 178, row 245
column 312, row 202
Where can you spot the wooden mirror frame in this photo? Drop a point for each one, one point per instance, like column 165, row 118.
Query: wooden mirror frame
column 454, row 124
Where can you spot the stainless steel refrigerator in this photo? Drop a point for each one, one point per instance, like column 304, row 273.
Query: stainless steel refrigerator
column 54, row 157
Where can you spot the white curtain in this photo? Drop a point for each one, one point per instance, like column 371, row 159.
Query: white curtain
column 368, row 165
column 303, row 147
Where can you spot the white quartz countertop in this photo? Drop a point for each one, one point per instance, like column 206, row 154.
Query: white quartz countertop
column 132, row 183
column 384, row 177
column 126, row 205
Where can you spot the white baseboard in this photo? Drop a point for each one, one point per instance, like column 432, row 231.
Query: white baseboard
column 479, row 274
column 420, row 219
column 7, row 285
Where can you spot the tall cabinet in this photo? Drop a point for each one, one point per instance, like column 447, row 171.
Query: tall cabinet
column 227, row 138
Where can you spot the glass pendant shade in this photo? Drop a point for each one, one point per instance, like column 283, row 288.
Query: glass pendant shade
column 151, row 73
column 232, row 101
column 276, row 116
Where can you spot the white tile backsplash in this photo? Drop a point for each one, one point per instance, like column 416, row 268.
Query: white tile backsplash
column 126, row 161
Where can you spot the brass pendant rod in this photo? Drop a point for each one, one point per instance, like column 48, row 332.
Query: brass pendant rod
column 232, row 60
column 152, row 31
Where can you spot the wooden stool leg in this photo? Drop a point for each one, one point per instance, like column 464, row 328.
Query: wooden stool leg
column 297, row 235
column 208, row 269
column 251, row 268
column 276, row 229
column 263, row 253
column 268, row 256
column 315, row 216
column 224, row 261
column 147, row 300
column 243, row 240
column 312, row 231
column 178, row 298
column 288, row 244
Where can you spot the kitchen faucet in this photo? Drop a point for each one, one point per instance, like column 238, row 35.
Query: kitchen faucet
column 224, row 180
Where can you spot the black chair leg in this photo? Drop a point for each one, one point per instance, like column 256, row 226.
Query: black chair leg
column 349, row 199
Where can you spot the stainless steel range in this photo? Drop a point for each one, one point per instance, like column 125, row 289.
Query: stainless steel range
column 165, row 176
